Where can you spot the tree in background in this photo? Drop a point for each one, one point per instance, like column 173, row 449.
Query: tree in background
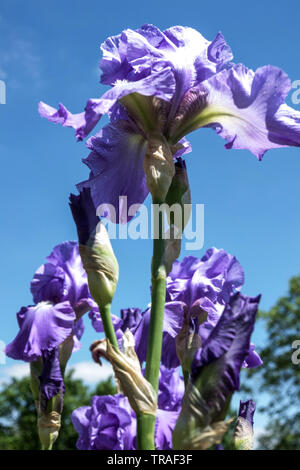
column 18, row 416
column 279, row 376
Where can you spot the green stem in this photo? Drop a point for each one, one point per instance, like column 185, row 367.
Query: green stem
column 145, row 432
column 146, row 423
column 108, row 325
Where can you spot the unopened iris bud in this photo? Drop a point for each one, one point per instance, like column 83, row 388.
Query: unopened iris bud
column 158, row 166
column 50, row 398
column 188, row 340
column 195, row 429
column 95, row 249
column 243, row 433
column 179, row 193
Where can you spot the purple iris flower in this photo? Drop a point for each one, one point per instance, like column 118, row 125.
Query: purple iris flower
column 195, row 287
column 223, row 353
column 60, row 291
column 110, row 423
column 174, row 82
column 149, row 62
column 62, row 277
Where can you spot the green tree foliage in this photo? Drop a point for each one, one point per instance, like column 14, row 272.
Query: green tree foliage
column 18, row 415
column 279, row 376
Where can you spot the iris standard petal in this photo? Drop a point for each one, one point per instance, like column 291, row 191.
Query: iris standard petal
column 133, row 55
column 66, row 256
column 48, row 284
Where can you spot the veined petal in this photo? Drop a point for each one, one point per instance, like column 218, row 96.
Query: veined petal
column 83, row 123
column 116, row 164
column 216, row 366
column 160, row 84
column 133, row 55
column 164, row 426
column 42, row 327
column 66, row 256
column 244, row 107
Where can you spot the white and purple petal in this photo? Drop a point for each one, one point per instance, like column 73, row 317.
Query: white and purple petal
column 116, row 164
column 246, row 108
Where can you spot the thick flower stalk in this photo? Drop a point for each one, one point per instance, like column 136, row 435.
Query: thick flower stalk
column 97, row 256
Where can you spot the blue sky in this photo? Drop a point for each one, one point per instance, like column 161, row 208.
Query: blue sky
column 50, row 52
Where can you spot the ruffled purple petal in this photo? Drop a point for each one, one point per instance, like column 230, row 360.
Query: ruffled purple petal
column 134, row 55
column 43, row 327
column 225, row 350
column 214, row 277
column 48, row 284
column 67, row 257
column 164, row 426
column 246, row 108
column 116, row 164
column 108, row 424
column 171, row 389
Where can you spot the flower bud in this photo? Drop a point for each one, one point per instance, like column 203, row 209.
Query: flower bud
column 188, row 340
column 179, row 193
column 48, row 429
column 158, row 166
column 95, row 249
column 243, row 433
column 194, row 429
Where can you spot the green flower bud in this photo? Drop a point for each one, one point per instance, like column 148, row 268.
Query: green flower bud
column 158, row 166
column 101, row 266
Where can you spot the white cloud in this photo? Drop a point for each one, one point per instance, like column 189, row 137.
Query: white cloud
column 17, row 371
column 90, row 372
